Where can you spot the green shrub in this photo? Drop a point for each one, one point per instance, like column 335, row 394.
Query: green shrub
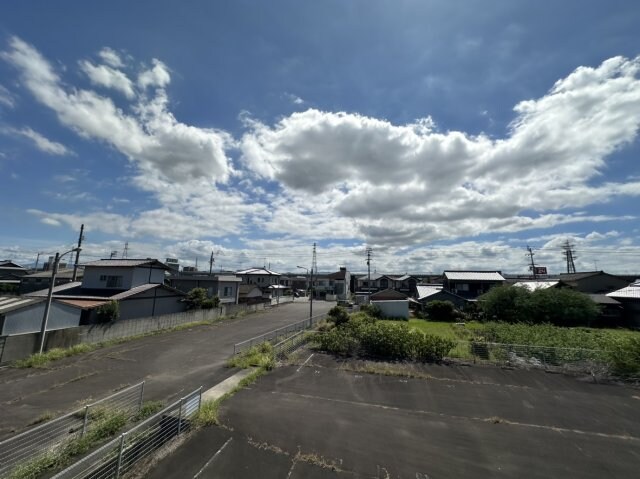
column 441, row 311
column 338, row 315
column 624, row 356
column 372, row 310
column 108, row 312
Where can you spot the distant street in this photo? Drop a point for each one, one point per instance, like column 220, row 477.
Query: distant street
column 171, row 363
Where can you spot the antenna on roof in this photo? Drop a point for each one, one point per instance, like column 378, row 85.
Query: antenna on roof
column 125, row 251
column 114, row 254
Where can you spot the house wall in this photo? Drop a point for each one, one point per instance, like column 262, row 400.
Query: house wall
column 29, row 319
column 259, row 279
column 155, row 302
column 131, row 277
column 232, row 295
column 445, row 296
column 470, row 289
column 393, row 309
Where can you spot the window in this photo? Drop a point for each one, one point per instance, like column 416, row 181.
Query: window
column 103, row 277
column 228, row 290
column 114, row 281
column 462, row 287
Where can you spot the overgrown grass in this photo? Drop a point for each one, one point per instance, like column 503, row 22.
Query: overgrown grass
column 148, row 409
column 260, row 356
column 107, row 425
column 42, row 360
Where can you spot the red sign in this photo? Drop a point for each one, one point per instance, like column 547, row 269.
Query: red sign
column 541, row 270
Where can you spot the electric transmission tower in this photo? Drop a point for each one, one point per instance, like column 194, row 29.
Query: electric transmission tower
column 570, row 255
column 369, row 251
column 314, row 262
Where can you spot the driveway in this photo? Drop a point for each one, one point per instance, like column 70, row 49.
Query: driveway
column 172, row 364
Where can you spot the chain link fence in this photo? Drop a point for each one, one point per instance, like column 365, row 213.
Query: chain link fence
column 289, row 345
column 280, row 334
column 47, row 437
column 120, row 455
column 578, row 360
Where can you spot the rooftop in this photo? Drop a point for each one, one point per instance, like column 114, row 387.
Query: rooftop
column 127, row 263
column 62, row 273
column 9, row 303
column 632, row 291
column 258, row 271
column 473, row 275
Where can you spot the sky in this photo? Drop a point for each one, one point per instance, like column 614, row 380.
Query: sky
column 442, row 135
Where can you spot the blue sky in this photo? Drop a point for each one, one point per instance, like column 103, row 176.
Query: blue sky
column 442, row 134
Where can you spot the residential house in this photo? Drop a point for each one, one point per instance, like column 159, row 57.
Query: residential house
column 340, row 282
column 471, row 284
column 268, row 281
column 136, row 284
column 224, row 286
column 10, row 275
column 594, row 282
column 250, row 294
column 374, row 282
column 435, row 292
column 20, row 315
column 42, row 279
column 629, row 297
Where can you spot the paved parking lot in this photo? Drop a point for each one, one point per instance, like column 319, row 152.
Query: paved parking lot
column 172, row 364
column 325, row 420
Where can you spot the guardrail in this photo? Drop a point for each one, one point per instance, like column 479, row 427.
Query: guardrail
column 121, row 454
column 47, row 437
column 279, row 334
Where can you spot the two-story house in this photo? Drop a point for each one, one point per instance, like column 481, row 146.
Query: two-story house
column 224, row 286
column 136, row 284
column 471, row 284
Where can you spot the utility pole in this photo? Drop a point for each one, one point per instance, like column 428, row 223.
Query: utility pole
column 533, row 265
column 211, row 261
column 369, row 251
column 37, row 261
column 75, row 265
column 569, row 254
column 314, row 265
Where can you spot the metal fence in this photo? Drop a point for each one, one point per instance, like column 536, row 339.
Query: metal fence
column 532, row 356
column 47, row 437
column 287, row 346
column 279, row 334
column 120, row 455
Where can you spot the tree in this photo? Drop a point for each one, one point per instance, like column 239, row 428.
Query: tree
column 195, row 298
column 108, row 312
column 562, row 307
column 338, row 315
column 441, row 311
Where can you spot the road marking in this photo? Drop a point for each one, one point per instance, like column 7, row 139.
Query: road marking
column 212, row 458
column 302, row 365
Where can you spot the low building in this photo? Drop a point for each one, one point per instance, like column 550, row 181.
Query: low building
column 261, row 277
column 42, row 279
column 471, row 284
column 340, row 282
column 249, row 294
column 427, row 293
column 224, row 286
column 19, row 315
column 10, row 276
column 594, row 282
column 629, row 297
column 398, row 308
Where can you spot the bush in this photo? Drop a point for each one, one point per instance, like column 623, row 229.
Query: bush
column 380, row 339
column 108, row 312
column 372, row 310
column 441, row 311
column 338, row 315
column 624, row 357
column 562, row 307
column 195, row 298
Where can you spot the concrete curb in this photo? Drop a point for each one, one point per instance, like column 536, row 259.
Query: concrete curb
column 226, row 386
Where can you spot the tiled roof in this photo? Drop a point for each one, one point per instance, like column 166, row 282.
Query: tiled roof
column 536, row 285
column 62, row 273
column 473, row 275
column 83, row 303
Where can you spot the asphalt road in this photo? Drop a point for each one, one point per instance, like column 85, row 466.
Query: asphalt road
column 320, row 421
column 172, row 364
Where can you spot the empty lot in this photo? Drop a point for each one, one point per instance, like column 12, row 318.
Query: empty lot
column 172, row 364
column 325, row 420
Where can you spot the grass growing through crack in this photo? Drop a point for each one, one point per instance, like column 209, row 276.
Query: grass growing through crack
column 106, row 426
column 148, row 409
column 260, row 356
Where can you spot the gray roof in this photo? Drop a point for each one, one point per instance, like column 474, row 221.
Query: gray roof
column 473, row 275
column 603, row 299
column 258, row 271
column 9, row 303
column 62, row 273
column 127, row 263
